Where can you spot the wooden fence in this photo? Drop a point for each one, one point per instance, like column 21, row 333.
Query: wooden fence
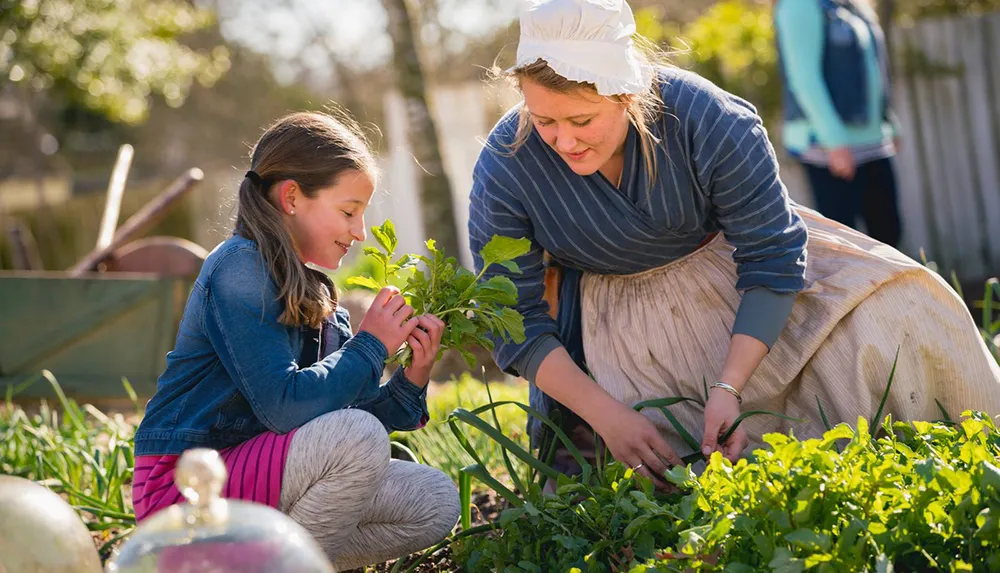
column 948, row 100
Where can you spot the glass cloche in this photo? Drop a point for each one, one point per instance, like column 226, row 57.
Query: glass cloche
column 210, row 534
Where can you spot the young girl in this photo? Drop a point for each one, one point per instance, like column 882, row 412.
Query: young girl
column 267, row 371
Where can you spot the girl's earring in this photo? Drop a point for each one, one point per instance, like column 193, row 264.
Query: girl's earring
column 291, row 212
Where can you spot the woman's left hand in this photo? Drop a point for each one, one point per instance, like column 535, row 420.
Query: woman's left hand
column 721, row 412
column 425, row 342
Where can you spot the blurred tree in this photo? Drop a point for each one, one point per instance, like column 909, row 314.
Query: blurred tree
column 437, row 208
column 108, row 55
column 74, row 72
column 730, row 44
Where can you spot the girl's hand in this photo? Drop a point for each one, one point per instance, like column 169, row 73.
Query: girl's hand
column 425, row 342
column 388, row 319
column 721, row 411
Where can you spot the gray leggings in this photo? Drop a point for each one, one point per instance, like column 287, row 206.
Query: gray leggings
column 361, row 506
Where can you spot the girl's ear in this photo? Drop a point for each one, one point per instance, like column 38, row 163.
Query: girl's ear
column 288, row 190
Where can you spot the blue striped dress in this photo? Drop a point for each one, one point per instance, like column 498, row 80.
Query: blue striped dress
column 716, row 171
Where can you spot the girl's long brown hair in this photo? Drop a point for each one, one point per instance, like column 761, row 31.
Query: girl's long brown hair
column 313, row 149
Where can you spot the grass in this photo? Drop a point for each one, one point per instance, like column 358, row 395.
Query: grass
column 435, row 444
column 78, row 452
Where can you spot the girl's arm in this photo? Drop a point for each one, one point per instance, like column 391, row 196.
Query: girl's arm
column 241, row 322
column 400, row 403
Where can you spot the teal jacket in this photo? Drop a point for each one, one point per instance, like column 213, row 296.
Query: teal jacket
column 835, row 70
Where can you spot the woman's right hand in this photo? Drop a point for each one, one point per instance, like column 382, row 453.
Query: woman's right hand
column 633, row 440
column 389, row 319
column 842, row 163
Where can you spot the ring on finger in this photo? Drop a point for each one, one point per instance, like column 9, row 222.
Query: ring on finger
column 637, row 468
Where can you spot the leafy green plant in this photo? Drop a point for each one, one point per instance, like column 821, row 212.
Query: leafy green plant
column 605, row 515
column 470, row 308
column 990, row 325
column 924, row 497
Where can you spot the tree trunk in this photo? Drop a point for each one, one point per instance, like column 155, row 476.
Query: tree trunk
column 435, row 191
column 886, row 15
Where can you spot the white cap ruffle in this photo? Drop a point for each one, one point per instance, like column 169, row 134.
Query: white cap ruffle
column 585, row 41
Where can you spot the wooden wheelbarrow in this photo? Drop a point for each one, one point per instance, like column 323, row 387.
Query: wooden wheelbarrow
column 113, row 315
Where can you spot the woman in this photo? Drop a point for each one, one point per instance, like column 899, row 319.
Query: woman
column 683, row 259
column 838, row 120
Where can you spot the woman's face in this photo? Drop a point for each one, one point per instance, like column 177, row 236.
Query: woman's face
column 584, row 128
column 325, row 227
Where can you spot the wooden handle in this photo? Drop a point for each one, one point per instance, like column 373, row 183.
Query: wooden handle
column 142, row 221
column 116, row 188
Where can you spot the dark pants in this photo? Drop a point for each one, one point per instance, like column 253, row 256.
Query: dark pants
column 870, row 195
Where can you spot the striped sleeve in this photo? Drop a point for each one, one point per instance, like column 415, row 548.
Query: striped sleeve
column 735, row 165
column 496, row 210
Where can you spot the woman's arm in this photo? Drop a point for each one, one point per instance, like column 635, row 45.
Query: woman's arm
column 737, row 167
column 495, row 210
column 630, row 437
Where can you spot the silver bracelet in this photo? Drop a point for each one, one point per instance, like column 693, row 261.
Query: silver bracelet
column 730, row 389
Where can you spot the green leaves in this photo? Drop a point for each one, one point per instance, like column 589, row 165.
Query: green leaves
column 913, row 500
column 110, row 57
column 503, row 250
column 365, row 282
column 471, row 310
column 923, row 497
column 386, row 237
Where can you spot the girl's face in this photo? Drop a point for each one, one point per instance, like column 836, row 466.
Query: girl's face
column 584, row 128
column 323, row 228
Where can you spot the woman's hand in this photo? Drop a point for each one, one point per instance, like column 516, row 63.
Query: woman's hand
column 721, row 412
column 842, row 163
column 425, row 342
column 388, row 319
column 633, row 440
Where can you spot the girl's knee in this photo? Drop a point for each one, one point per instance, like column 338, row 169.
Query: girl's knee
column 365, row 429
column 354, row 437
column 355, row 427
column 442, row 496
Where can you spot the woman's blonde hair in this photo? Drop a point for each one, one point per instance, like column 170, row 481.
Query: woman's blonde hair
column 643, row 109
column 313, row 149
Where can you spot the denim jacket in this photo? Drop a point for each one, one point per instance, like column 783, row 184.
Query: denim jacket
column 237, row 372
column 850, row 36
